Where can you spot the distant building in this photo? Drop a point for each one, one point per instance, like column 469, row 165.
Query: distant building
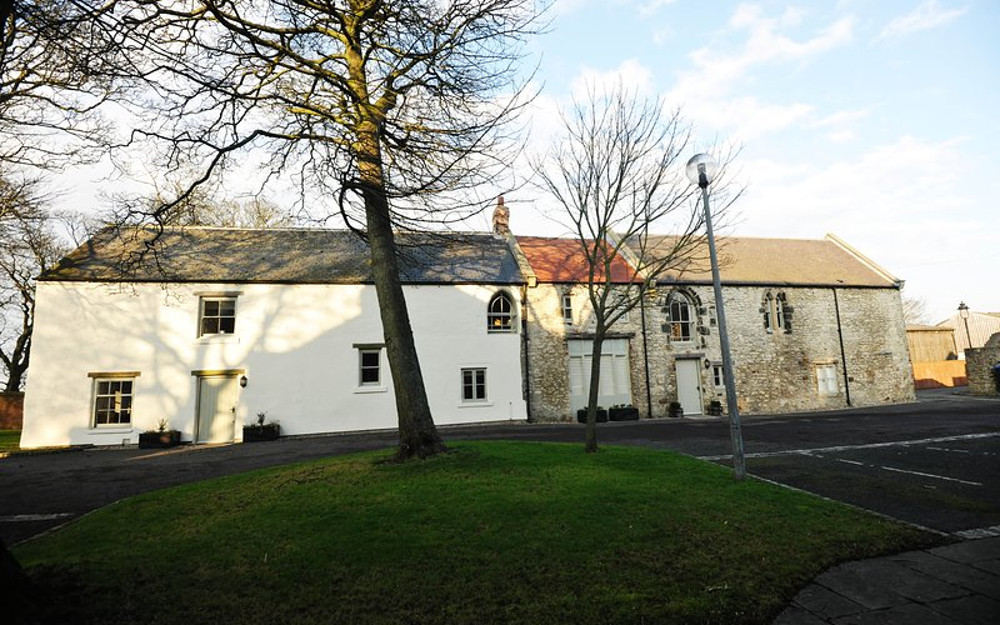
column 981, row 326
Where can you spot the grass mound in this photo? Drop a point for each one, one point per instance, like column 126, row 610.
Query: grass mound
column 493, row 532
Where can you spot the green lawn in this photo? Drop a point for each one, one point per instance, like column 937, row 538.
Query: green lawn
column 9, row 439
column 496, row 532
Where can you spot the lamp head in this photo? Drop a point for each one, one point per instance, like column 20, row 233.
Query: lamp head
column 701, row 169
column 963, row 310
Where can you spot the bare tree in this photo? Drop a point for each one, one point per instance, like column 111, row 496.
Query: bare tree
column 29, row 246
column 59, row 62
column 616, row 174
column 392, row 110
column 914, row 309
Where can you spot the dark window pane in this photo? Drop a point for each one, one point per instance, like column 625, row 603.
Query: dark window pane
column 227, row 325
column 211, row 308
column 369, row 376
column 210, row 326
column 227, row 308
column 102, row 388
column 369, row 359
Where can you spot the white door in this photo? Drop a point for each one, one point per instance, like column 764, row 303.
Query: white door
column 217, row 396
column 615, row 385
column 689, row 386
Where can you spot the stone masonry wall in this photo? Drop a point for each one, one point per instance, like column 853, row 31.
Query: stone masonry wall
column 978, row 364
column 548, row 356
column 776, row 371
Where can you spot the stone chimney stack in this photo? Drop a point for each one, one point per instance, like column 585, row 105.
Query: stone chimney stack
column 501, row 218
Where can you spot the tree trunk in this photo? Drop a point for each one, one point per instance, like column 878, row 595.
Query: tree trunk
column 17, row 362
column 418, row 436
column 595, row 385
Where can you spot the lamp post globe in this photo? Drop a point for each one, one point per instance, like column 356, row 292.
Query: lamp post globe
column 701, row 170
column 963, row 312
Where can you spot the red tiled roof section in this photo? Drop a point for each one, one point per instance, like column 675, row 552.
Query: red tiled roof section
column 562, row 260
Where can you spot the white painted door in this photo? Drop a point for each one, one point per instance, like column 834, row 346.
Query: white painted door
column 615, row 385
column 217, row 396
column 689, row 386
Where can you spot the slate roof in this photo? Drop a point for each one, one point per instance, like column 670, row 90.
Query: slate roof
column 780, row 262
column 284, row 256
column 562, row 261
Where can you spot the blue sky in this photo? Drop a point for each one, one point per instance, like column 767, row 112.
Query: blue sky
column 876, row 121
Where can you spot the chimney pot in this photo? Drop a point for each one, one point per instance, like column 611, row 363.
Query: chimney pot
column 501, row 218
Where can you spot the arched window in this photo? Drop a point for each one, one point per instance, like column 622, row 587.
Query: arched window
column 500, row 314
column 681, row 318
column 776, row 318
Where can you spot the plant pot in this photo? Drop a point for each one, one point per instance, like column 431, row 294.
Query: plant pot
column 602, row 415
column 676, row 410
column 715, row 408
column 159, row 440
column 260, row 433
column 624, row 414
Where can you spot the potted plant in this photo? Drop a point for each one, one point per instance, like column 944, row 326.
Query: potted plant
column 675, row 410
column 159, row 438
column 261, row 431
column 602, row 415
column 715, row 408
column 623, row 412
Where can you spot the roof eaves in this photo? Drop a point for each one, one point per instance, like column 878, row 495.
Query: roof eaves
column 871, row 264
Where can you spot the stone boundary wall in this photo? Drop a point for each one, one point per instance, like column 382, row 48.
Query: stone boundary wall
column 979, row 363
column 11, row 411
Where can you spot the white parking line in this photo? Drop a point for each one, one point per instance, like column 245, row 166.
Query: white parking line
column 23, row 518
column 954, row 451
column 931, row 475
column 815, row 450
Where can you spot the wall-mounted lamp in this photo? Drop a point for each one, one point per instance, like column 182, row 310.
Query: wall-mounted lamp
column 243, row 381
column 708, row 364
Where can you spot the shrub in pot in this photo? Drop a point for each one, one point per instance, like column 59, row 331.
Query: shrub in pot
column 675, row 410
column 602, row 415
column 623, row 412
column 261, row 431
column 159, row 438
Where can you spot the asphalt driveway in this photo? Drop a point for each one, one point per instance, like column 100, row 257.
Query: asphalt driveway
column 935, row 463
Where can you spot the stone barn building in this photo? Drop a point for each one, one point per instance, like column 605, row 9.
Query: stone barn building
column 813, row 324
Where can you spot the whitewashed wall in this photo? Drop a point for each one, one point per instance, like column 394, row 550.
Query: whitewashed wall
column 296, row 344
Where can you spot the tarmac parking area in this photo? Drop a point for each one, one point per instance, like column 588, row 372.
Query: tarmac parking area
column 950, row 484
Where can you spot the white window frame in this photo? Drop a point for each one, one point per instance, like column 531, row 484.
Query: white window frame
column 567, row 309
column 676, row 325
column 478, row 382
column 507, row 318
column 119, row 398
column 718, row 375
column 205, row 299
column 827, row 382
column 370, row 386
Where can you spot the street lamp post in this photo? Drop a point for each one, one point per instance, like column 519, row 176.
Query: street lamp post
column 700, row 171
column 963, row 312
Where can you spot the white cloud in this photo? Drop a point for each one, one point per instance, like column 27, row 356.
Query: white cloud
column 631, row 74
column 649, row 7
column 841, row 118
column 894, row 202
column 704, row 91
column 926, row 16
